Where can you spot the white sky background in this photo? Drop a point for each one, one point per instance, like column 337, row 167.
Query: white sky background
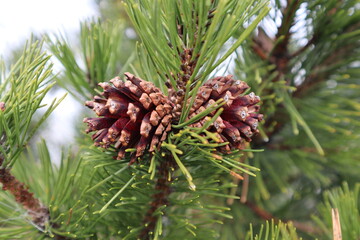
column 20, row 18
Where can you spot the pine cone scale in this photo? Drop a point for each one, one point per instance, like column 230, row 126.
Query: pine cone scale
column 146, row 126
column 98, row 123
column 115, row 130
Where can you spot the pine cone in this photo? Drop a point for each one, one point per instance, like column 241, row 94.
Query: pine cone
column 132, row 114
column 239, row 120
column 136, row 114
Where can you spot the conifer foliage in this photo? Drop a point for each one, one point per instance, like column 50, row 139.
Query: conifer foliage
column 178, row 134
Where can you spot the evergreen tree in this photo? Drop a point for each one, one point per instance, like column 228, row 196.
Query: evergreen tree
column 180, row 147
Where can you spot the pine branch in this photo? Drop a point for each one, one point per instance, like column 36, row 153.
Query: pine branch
column 195, row 151
column 39, row 214
column 160, row 198
column 276, row 51
column 21, row 94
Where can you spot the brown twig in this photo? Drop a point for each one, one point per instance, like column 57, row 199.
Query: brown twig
column 39, row 214
column 259, row 211
column 302, row 49
column 233, row 190
column 160, row 198
column 245, row 189
column 280, row 55
column 262, row 213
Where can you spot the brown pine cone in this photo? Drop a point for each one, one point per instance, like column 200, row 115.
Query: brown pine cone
column 132, row 114
column 239, row 120
column 136, row 114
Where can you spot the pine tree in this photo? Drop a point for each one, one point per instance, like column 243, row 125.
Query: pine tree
column 225, row 120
